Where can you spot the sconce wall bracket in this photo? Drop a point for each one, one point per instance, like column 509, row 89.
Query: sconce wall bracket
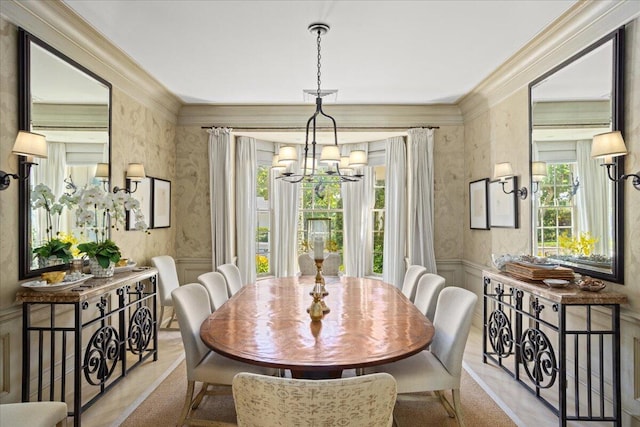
column 635, row 176
column 520, row 192
column 5, row 177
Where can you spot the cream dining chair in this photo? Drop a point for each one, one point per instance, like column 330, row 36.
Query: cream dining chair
column 216, row 286
column 439, row 368
column 231, row 274
column 192, row 307
column 411, row 277
column 429, row 287
column 363, row 401
column 167, row 282
column 33, row 414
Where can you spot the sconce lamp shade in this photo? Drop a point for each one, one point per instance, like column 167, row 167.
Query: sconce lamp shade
column 30, row 144
column 357, row 158
column 288, row 154
column 330, row 154
column 608, row 145
column 502, row 171
column 135, row 172
column 102, row 171
column 538, row 171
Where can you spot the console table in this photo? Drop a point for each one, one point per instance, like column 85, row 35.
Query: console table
column 555, row 343
column 104, row 327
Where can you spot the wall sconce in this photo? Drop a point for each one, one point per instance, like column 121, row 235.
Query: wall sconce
column 608, row 145
column 538, row 173
column 502, row 171
column 135, row 174
column 27, row 144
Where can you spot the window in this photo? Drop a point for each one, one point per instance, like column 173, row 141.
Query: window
column 556, row 209
column 377, row 223
column 263, row 225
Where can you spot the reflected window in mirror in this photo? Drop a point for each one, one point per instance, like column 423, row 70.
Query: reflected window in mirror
column 71, row 107
column 577, row 213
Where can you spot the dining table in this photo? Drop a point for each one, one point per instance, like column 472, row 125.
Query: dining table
column 369, row 323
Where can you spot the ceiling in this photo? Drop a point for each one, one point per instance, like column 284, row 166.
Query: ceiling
column 377, row 52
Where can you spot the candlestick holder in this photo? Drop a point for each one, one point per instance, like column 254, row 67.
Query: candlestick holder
column 320, row 282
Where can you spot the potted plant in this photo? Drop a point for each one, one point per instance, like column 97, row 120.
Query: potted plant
column 54, row 252
column 102, row 255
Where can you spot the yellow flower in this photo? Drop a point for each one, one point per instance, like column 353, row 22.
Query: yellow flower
column 70, row 238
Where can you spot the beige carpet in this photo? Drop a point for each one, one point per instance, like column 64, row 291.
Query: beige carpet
column 163, row 406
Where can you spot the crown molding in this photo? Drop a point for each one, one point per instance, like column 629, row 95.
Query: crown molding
column 580, row 26
column 296, row 115
column 55, row 23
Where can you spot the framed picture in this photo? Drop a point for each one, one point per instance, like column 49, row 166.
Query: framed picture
column 479, row 204
column 503, row 207
column 143, row 195
column 161, row 203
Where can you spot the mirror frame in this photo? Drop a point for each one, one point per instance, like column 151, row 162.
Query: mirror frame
column 617, row 123
column 24, row 119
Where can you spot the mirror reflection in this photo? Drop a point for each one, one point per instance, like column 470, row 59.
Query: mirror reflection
column 575, row 206
column 70, row 107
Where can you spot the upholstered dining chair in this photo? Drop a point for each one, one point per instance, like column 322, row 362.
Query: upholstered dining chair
column 439, row 368
column 167, row 282
column 192, row 306
column 216, row 286
column 411, row 277
column 429, row 287
column 307, row 265
column 33, row 414
column 362, row 401
column 231, row 274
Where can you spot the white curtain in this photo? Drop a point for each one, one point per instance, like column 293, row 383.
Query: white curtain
column 50, row 171
column 395, row 222
column 284, row 202
column 357, row 202
column 221, row 178
column 246, row 207
column 593, row 193
column 420, row 188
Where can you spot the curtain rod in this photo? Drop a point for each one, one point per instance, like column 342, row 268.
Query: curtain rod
column 356, row 128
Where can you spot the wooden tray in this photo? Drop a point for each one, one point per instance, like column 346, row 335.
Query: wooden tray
column 536, row 273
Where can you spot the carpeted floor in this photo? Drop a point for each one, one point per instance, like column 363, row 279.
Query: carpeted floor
column 163, row 406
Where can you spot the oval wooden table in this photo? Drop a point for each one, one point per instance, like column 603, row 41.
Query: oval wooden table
column 267, row 324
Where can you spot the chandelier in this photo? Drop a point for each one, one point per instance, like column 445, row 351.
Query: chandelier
column 331, row 166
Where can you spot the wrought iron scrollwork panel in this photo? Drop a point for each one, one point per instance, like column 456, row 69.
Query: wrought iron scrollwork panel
column 140, row 330
column 538, row 358
column 500, row 333
column 102, row 355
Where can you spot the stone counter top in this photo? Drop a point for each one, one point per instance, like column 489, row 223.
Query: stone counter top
column 86, row 290
column 569, row 295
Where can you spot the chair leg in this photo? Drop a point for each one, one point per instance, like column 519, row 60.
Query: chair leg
column 161, row 316
column 198, row 399
column 187, row 403
column 445, row 403
column 457, row 404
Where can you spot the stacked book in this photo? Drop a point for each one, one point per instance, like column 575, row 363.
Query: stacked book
column 531, row 272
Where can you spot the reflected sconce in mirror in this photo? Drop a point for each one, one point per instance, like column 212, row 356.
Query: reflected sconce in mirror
column 135, row 174
column 502, row 171
column 538, row 173
column 608, row 145
column 102, row 174
column 27, row 144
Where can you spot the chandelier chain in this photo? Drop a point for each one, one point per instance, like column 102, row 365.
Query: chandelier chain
column 319, row 57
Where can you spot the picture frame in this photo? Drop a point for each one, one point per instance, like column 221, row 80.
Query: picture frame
column 161, row 214
column 479, row 204
column 143, row 195
column 503, row 207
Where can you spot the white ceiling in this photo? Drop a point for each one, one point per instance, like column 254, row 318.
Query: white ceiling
column 377, row 52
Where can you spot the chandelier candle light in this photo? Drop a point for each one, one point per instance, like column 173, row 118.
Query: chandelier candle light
column 334, row 168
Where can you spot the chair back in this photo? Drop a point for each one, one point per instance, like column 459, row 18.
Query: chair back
column 363, row 401
column 231, row 274
column 167, row 277
column 192, row 306
column 331, row 265
column 307, row 265
column 428, row 289
column 216, row 286
column 411, row 277
column 452, row 322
